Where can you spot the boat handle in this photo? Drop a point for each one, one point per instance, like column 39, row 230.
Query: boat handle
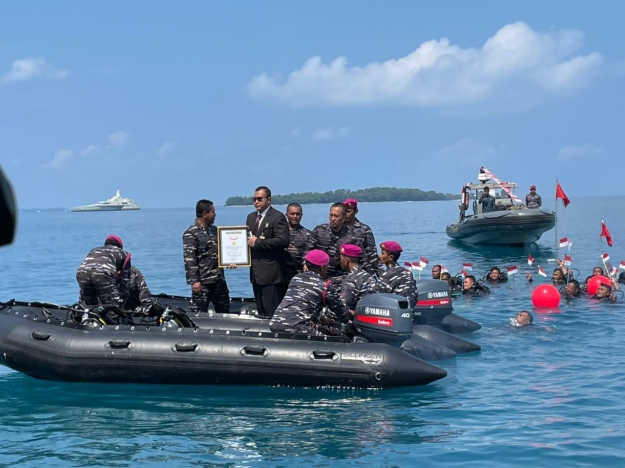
column 119, row 344
column 323, row 356
column 186, row 347
column 254, row 351
column 40, row 336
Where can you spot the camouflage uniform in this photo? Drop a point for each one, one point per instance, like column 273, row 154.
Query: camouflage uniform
column 299, row 237
column 200, row 263
column 398, row 280
column 356, row 285
column 99, row 273
column 301, row 308
column 370, row 261
column 135, row 292
column 533, row 201
column 324, row 238
column 488, row 203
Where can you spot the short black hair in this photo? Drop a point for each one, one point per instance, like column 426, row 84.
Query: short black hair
column 497, row 269
column 472, row 278
column 531, row 317
column 266, row 189
column 294, row 205
column 434, row 266
column 339, row 205
column 202, row 206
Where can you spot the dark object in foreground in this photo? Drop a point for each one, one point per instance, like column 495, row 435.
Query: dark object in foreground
column 7, row 211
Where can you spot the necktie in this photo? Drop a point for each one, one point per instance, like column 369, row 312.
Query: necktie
column 257, row 225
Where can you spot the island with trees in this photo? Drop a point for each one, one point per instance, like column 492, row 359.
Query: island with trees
column 375, row 194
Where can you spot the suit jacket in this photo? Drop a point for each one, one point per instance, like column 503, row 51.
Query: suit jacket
column 269, row 257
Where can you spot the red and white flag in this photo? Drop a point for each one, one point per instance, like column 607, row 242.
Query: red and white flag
column 564, row 242
column 605, row 257
column 444, row 270
column 605, row 233
column 467, row 266
column 465, row 273
column 622, row 265
column 613, row 271
column 408, row 265
column 512, row 270
column 530, row 260
column 423, row 261
column 567, row 260
column 541, row 272
column 417, row 266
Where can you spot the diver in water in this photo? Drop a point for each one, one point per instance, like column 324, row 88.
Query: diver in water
column 571, row 290
column 604, row 291
column 522, row 319
column 472, row 288
column 495, row 275
column 558, row 277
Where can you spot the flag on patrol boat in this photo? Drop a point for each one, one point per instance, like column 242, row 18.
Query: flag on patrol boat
column 467, row 266
column 541, row 272
column 423, row 261
column 561, row 195
column 444, row 270
column 567, row 260
column 605, row 233
column 605, row 257
column 530, row 260
column 622, row 265
column 512, row 270
column 417, row 266
column 564, row 242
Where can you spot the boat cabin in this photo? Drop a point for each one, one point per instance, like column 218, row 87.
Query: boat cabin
column 475, row 191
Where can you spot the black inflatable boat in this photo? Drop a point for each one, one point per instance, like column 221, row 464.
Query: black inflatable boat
column 63, row 343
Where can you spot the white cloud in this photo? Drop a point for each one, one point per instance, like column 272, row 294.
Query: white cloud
column 25, row 69
column 91, row 150
column 329, row 134
column 118, row 138
column 60, row 158
column 167, row 146
column 572, row 151
column 296, row 132
column 517, row 63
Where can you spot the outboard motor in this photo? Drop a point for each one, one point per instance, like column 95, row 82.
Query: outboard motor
column 434, row 302
column 384, row 318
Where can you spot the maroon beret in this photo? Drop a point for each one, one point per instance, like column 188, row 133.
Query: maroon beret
column 351, row 203
column 317, row 257
column 351, row 250
column 391, row 246
column 115, row 239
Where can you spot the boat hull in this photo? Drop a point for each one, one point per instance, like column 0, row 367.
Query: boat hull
column 55, row 348
column 80, row 209
column 510, row 227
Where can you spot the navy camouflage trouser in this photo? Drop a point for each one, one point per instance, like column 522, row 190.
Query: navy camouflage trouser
column 98, row 288
column 217, row 293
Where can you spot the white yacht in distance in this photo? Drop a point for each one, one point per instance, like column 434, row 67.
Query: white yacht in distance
column 117, row 203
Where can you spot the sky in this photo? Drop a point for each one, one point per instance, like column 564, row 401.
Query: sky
column 171, row 102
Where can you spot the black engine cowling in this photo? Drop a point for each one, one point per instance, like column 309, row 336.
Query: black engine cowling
column 384, row 318
column 434, row 302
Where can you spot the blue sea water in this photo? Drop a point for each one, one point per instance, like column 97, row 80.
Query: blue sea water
column 546, row 396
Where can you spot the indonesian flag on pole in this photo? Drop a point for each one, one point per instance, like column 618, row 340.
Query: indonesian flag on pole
column 564, row 242
column 417, row 266
column 408, row 265
column 423, row 262
column 465, row 274
column 561, row 195
column 605, row 233
column 622, row 265
column 567, row 260
column 467, row 266
column 613, row 271
column 444, row 270
column 605, row 257
column 530, row 260
column 541, row 272
column 512, row 270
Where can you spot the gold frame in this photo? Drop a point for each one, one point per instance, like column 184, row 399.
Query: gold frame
column 244, row 232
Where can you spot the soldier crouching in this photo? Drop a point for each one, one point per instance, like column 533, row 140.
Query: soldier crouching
column 101, row 271
column 302, row 309
column 134, row 289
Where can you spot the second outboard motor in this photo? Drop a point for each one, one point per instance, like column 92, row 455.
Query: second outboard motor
column 434, row 302
column 384, row 318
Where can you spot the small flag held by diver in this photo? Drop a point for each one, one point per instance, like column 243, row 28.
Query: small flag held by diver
column 417, row 266
column 530, row 260
column 567, row 260
column 541, row 272
column 605, row 257
column 512, row 270
column 622, row 265
column 444, row 270
column 613, row 271
column 423, row 261
column 467, row 266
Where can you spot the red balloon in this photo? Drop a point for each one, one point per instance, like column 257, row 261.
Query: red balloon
column 546, row 295
column 594, row 282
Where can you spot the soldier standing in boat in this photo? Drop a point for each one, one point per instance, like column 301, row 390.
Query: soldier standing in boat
column 199, row 244
column 299, row 237
column 487, row 201
column 101, row 271
column 532, row 199
column 371, row 261
column 329, row 237
column 396, row 279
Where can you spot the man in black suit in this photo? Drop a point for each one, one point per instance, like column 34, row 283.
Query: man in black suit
column 269, row 237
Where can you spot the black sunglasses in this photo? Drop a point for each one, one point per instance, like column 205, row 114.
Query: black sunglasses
column 258, row 198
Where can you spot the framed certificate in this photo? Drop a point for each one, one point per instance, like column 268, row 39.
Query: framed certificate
column 232, row 246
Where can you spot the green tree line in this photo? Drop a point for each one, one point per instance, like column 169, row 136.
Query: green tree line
column 375, row 194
